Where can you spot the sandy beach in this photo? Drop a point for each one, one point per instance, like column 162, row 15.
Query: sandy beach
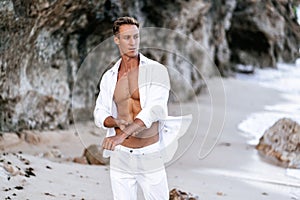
column 233, row 170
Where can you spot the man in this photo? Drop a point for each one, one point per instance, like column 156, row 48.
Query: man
column 132, row 105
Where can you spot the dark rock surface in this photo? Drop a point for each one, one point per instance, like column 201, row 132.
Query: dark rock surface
column 176, row 194
column 263, row 33
column 43, row 44
column 281, row 143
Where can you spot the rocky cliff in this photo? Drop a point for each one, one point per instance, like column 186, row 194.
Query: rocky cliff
column 48, row 68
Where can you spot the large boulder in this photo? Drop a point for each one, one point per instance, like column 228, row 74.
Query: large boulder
column 281, row 143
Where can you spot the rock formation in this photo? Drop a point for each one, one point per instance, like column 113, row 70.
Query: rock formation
column 281, row 143
column 43, row 44
column 176, row 194
column 92, row 155
column 263, row 33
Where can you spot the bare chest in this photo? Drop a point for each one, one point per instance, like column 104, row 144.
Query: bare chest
column 127, row 86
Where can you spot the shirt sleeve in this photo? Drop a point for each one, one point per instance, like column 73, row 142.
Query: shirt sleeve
column 103, row 108
column 156, row 84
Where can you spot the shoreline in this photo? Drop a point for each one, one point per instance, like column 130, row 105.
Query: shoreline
column 233, row 154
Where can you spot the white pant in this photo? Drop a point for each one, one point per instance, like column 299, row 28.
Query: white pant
column 144, row 166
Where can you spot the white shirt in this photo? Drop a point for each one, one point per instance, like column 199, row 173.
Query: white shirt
column 154, row 86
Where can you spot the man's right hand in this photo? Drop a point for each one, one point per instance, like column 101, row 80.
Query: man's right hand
column 109, row 143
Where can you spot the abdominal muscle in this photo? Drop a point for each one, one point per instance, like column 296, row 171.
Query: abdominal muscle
column 128, row 106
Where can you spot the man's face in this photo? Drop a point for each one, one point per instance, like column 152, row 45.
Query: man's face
column 128, row 40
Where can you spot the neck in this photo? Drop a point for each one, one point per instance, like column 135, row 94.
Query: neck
column 130, row 62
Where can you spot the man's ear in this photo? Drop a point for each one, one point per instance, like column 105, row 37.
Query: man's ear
column 116, row 40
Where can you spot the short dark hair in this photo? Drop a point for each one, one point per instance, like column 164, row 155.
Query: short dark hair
column 124, row 20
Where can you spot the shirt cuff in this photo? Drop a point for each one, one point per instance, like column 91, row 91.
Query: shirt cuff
column 152, row 114
column 100, row 118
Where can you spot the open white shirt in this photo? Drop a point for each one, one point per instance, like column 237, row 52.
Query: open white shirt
column 154, row 86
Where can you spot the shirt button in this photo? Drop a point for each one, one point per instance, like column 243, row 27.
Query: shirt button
column 130, row 151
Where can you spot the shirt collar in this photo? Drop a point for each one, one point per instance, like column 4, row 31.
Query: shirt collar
column 143, row 61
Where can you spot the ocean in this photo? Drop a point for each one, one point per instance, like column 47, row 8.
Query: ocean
column 285, row 79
